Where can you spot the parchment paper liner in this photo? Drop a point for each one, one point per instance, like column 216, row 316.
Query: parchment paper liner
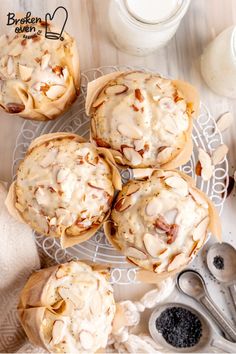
column 190, row 94
column 66, row 241
column 214, row 227
column 34, row 302
column 53, row 109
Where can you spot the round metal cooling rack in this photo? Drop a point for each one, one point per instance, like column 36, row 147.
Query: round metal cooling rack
column 98, row 249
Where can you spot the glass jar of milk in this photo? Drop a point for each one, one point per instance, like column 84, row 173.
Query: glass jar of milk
column 218, row 63
column 139, row 27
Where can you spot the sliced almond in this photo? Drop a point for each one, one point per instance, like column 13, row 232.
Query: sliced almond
column 225, row 121
column 135, row 253
column 10, row 66
column 41, row 196
column 197, row 197
column 204, row 158
column 62, row 174
column 177, row 261
column 86, row 340
column 49, row 158
column 99, row 101
column 207, row 173
column 129, row 131
column 139, row 144
column 69, row 294
column 133, row 156
column 153, row 207
column 205, row 161
column 157, row 267
column 123, row 204
column 25, row 72
column 152, row 244
column 142, row 173
column 201, row 229
column 116, row 89
column 45, row 61
column 96, row 304
column 60, row 273
column 164, row 154
column 58, row 331
column 55, row 91
column 219, row 154
column 132, row 189
column 178, row 183
column 15, row 107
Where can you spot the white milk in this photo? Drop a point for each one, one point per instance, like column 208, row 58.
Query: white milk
column 140, row 27
column 218, row 63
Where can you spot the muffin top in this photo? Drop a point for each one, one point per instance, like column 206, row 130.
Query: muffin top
column 79, row 308
column 35, row 72
column 161, row 222
column 64, row 185
column 142, row 116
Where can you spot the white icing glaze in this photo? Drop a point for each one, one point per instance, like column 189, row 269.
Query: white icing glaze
column 64, row 184
column 148, row 115
column 48, row 63
column 159, row 222
column 88, row 322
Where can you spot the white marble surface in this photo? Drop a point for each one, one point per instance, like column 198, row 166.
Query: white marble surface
column 180, row 59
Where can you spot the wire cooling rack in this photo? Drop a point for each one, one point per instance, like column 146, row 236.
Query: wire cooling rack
column 98, row 249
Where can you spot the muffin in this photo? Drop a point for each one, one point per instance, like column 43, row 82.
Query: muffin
column 64, row 187
column 68, row 308
column 145, row 119
column 161, row 223
column 39, row 77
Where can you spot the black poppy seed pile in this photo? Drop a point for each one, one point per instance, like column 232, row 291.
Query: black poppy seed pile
column 179, row 327
column 218, row 262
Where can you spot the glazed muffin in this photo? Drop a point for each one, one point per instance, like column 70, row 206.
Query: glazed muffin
column 39, row 77
column 145, row 119
column 64, row 187
column 68, row 308
column 160, row 223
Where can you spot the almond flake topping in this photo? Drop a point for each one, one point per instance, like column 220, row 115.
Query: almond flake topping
column 135, row 253
column 225, row 121
column 133, row 156
column 25, row 72
column 58, row 331
column 178, row 260
column 219, row 154
column 129, row 131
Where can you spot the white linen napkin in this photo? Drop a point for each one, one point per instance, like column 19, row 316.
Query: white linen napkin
column 18, row 258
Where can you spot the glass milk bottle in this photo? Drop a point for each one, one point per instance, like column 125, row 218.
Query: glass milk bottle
column 218, row 63
column 139, row 27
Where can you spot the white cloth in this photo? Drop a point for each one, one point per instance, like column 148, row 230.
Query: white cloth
column 18, row 258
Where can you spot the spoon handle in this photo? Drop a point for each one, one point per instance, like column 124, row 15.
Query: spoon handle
column 215, row 312
column 224, row 345
column 232, row 290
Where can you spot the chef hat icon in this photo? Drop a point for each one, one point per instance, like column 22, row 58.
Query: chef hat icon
column 61, row 14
